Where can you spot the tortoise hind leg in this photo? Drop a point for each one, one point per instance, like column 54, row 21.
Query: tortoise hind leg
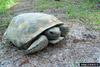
column 39, row 44
column 64, row 30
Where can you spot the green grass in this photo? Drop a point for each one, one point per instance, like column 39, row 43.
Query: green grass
column 84, row 10
column 42, row 5
column 4, row 6
column 76, row 9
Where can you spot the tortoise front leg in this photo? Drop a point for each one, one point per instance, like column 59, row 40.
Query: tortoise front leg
column 64, row 30
column 39, row 44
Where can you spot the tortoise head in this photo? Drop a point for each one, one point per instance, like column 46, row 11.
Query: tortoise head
column 53, row 33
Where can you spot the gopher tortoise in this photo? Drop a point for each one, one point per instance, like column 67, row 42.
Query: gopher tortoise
column 32, row 32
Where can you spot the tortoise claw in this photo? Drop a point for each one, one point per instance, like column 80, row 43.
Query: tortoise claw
column 39, row 44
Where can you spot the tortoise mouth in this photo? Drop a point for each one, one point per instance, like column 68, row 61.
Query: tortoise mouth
column 53, row 33
column 56, row 41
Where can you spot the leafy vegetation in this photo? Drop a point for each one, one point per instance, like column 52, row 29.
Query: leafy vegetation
column 85, row 10
column 6, row 4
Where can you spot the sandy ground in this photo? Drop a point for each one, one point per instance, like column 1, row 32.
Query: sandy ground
column 81, row 45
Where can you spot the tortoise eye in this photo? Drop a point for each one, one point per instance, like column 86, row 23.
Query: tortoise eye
column 51, row 32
